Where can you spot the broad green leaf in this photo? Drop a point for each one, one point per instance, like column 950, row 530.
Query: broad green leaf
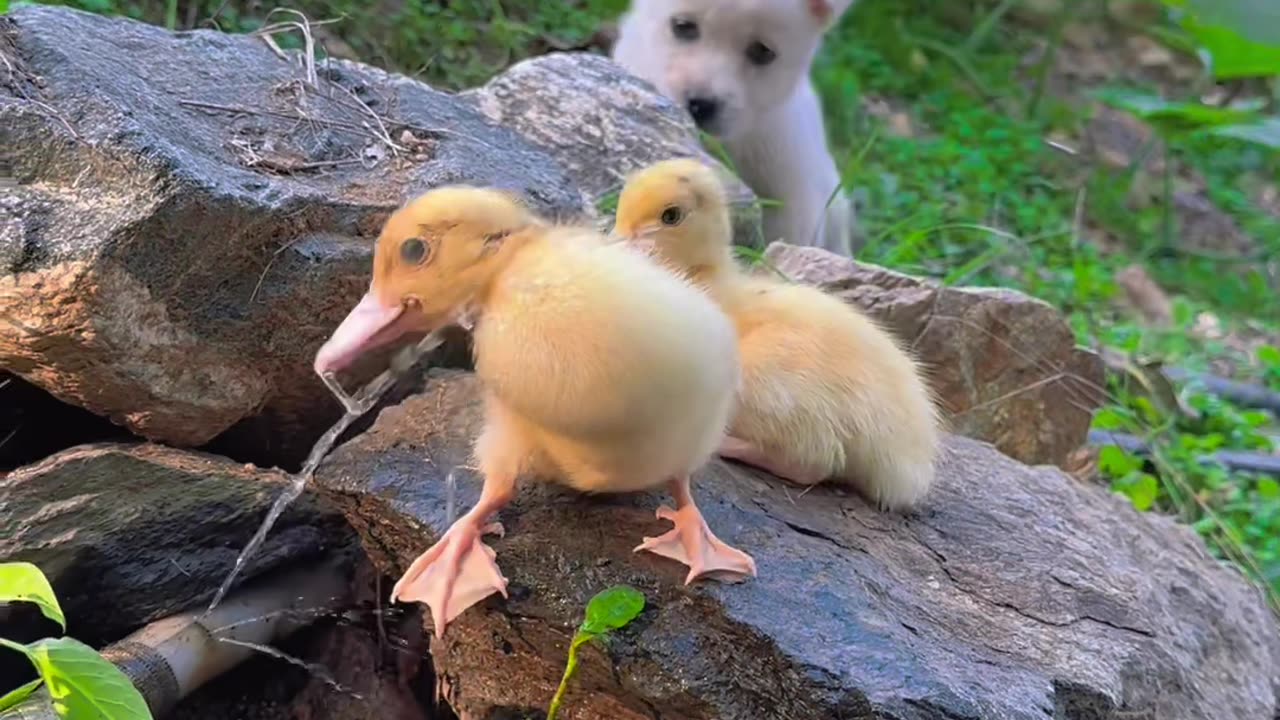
column 1263, row 132
column 18, row 694
column 1173, row 117
column 1232, row 56
column 1269, row 489
column 1257, row 21
column 1241, row 37
column 83, row 685
column 24, row 581
column 612, row 609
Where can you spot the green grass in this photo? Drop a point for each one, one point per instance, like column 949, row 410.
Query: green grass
column 974, row 196
column 451, row 45
column 977, row 196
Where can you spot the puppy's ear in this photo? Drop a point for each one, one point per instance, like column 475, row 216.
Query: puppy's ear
column 827, row 12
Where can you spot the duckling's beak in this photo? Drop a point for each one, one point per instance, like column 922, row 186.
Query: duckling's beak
column 615, row 237
column 370, row 325
column 644, row 245
column 640, row 239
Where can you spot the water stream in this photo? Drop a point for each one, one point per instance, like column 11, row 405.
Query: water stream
column 354, row 406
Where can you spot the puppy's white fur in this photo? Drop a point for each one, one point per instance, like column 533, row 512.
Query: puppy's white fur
column 767, row 115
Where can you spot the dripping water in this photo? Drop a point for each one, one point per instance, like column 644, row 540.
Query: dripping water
column 354, row 407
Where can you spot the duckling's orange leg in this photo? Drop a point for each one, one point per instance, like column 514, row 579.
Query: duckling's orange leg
column 743, row 451
column 459, row 570
column 692, row 543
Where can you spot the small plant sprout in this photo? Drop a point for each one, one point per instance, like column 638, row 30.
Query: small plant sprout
column 609, row 610
column 82, row 685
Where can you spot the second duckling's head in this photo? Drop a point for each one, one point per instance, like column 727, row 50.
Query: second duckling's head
column 677, row 210
column 435, row 256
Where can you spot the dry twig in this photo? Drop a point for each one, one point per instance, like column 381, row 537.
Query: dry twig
column 303, row 26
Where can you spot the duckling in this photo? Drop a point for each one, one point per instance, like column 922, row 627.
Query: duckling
column 827, row 394
column 599, row 369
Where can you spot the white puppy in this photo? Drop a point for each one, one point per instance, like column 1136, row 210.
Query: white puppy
column 741, row 69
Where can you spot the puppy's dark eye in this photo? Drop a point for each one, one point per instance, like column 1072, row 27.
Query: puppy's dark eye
column 760, row 54
column 672, row 216
column 413, row 251
column 684, row 29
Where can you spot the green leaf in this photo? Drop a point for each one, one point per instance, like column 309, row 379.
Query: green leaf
column 1142, row 491
column 1232, row 56
column 1269, row 489
column 1241, row 37
column 607, row 204
column 1172, row 117
column 83, row 685
column 1115, row 462
column 23, row 581
column 608, row 610
column 1256, row 20
column 1264, row 132
column 612, row 609
column 18, row 694
column 1269, row 356
column 1109, row 418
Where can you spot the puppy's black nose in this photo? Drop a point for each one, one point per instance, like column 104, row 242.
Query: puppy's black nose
column 703, row 110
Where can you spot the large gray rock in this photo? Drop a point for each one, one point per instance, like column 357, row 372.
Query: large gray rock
column 128, row 534
column 194, row 214
column 601, row 123
column 1012, row 593
column 1005, row 366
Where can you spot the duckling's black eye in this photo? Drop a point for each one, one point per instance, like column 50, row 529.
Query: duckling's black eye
column 760, row 54
column 684, row 29
column 672, row 216
column 413, row 251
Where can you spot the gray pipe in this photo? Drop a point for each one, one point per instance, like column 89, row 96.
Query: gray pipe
column 170, row 658
column 1246, row 394
column 1233, row 459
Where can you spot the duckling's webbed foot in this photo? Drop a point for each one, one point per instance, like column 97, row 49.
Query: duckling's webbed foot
column 459, row 570
column 732, row 448
column 692, row 543
column 454, row 574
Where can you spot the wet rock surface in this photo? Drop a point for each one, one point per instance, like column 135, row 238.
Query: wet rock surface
column 195, row 214
column 1005, row 366
column 1013, row 592
column 128, row 534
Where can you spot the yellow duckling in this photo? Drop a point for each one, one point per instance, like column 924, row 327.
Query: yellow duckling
column 583, row 350
column 826, row 393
